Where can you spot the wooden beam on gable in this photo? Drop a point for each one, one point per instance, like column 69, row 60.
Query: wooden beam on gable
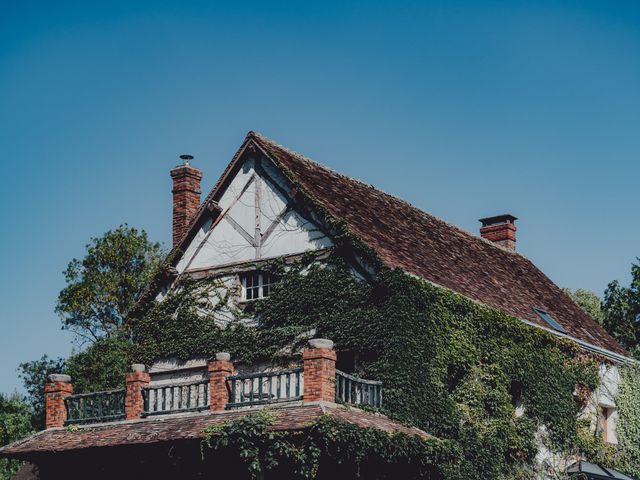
column 216, row 222
column 238, row 228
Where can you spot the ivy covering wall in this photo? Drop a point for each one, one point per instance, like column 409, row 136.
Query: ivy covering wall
column 628, row 426
column 455, row 368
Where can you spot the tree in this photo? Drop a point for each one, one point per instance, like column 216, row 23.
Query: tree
column 15, row 423
column 589, row 301
column 107, row 282
column 621, row 306
column 101, row 366
column 101, row 289
column 34, row 377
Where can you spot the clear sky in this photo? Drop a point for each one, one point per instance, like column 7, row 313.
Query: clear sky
column 466, row 109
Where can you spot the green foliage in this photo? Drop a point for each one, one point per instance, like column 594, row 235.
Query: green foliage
column 104, row 286
column 186, row 324
column 589, row 301
column 450, row 366
column 327, row 444
column 628, row 425
column 591, row 445
column 15, row 424
column 34, row 377
column 101, row 366
column 248, row 438
column 621, row 307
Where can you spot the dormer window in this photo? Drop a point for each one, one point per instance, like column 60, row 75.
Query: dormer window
column 256, row 284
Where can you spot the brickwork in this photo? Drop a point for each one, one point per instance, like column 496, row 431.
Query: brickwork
column 134, row 402
column 55, row 392
column 319, row 374
column 503, row 234
column 219, row 368
column 186, row 198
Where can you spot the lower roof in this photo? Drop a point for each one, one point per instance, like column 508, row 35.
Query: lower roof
column 591, row 471
column 190, row 426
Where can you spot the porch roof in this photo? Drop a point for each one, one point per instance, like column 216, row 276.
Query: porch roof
column 189, row 426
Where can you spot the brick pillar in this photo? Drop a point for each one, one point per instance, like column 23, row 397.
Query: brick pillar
column 319, row 361
column 219, row 368
column 186, row 196
column 134, row 402
column 57, row 388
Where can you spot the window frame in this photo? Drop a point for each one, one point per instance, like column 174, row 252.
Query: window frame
column 607, row 424
column 548, row 319
column 261, row 285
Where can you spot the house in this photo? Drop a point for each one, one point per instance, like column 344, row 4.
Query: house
column 272, row 203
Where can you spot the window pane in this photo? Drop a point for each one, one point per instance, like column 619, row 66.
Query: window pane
column 256, row 285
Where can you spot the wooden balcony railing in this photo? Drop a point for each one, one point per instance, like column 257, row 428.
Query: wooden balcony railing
column 107, row 406
column 220, row 390
column 175, row 398
column 265, row 387
column 357, row 391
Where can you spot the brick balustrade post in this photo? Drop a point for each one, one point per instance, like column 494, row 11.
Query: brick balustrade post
column 219, row 368
column 134, row 401
column 56, row 390
column 319, row 361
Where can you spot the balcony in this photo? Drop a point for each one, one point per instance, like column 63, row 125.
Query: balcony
column 218, row 388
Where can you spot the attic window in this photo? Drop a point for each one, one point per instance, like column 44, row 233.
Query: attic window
column 256, row 284
column 549, row 319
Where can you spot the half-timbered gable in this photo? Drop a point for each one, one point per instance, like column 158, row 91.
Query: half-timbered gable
column 254, row 219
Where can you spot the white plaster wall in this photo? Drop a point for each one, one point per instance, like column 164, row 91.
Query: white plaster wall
column 294, row 235
column 605, row 396
column 169, row 371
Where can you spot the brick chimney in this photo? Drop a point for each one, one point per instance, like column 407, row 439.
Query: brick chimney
column 500, row 230
column 186, row 196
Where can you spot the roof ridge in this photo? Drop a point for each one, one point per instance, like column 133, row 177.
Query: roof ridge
column 299, row 156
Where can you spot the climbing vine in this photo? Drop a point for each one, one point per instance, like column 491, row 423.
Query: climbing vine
column 327, row 446
column 453, row 367
column 628, row 425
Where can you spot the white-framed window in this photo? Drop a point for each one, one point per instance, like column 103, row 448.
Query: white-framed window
column 256, row 284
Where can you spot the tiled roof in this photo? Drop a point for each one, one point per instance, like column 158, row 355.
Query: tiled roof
column 408, row 238
column 405, row 237
column 189, row 427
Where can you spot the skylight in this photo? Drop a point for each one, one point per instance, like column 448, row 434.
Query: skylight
column 549, row 319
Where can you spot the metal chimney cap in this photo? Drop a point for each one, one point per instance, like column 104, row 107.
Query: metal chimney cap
column 506, row 218
column 186, row 158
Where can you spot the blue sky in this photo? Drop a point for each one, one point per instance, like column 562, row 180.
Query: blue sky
column 466, row 109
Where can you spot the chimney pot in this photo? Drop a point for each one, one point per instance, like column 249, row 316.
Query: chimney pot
column 186, row 196
column 500, row 230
